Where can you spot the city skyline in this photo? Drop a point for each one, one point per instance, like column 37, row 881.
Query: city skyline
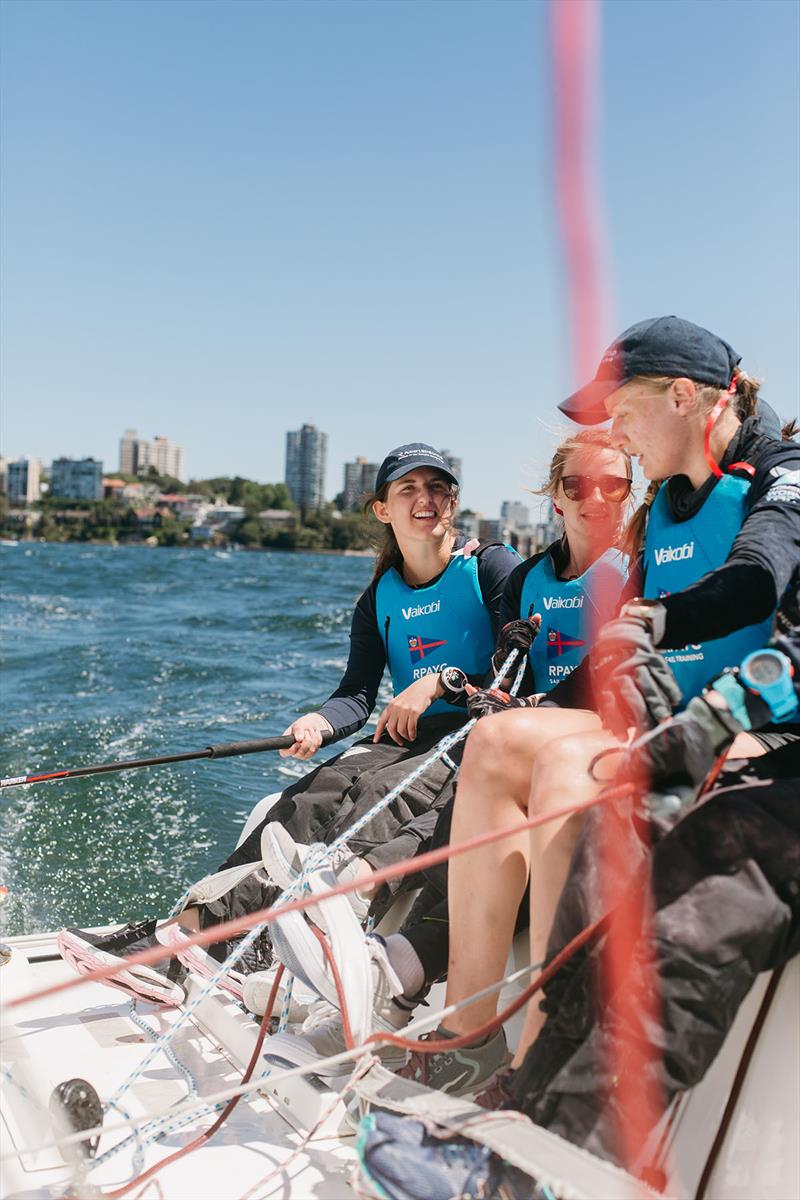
column 85, row 478
column 221, row 220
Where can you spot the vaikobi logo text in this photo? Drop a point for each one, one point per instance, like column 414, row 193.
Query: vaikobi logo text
column 422, row 610
column 563, row 602
column 668, row 554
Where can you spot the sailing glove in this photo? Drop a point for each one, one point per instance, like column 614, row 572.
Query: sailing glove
column 683, row 749
column 482, row 704
column 632, row 683
column 515, row 635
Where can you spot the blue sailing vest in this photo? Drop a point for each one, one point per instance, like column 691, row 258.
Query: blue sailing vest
column 427, row 628
column 677, row 554
column 572, row 611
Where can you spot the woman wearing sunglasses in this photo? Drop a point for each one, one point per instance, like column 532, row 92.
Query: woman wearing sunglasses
column 573, row 586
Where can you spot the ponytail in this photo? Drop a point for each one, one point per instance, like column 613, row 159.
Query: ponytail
column 745, row 398
column 633, row 537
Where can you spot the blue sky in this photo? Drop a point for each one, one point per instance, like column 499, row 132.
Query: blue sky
column 220, row 220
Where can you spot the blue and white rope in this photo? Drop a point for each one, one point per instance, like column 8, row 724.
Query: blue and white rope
column 299, row 886
column 154, row 1035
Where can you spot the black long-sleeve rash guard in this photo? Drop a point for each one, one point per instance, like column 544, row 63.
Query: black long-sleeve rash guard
column 763, row 560
column 348, row 708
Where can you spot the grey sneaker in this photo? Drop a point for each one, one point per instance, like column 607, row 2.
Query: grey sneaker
column 322, row 1034
column 458, row 1072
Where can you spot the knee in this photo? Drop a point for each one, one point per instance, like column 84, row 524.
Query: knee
column 557, row 764
column 479, row 751
column 494, row 743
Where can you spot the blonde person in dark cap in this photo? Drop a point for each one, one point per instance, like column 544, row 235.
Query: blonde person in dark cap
column 430, row 615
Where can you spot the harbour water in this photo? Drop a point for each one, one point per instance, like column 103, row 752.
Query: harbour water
column 130, row 652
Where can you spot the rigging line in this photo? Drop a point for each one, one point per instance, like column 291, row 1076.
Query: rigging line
column 255, row 926
column 203, row 1106
column 207, row 1134
column 440, row 751
column 333, row 1059
column 738, row 1083
column 360, row 1069
column 237, row 925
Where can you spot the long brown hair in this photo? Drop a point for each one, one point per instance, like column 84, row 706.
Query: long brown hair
column 387, row 551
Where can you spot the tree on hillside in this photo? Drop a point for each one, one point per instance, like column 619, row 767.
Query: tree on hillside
column 165, row 483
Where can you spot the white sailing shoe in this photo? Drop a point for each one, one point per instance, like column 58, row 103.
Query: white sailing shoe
column 299, row 948
column 322, row 1034
column 284, row 858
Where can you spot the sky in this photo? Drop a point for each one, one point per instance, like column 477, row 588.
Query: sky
column 221, row 220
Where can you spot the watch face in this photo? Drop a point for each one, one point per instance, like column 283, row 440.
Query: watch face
column 453, row 679
column 764, row 669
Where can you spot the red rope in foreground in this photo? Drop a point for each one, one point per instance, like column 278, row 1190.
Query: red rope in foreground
column 575, row 39
column 467, row 1039
column 264, row 916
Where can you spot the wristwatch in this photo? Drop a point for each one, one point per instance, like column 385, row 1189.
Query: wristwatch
column 766, row 674
column 769, row 674
column 453, row 683
column 652, row 612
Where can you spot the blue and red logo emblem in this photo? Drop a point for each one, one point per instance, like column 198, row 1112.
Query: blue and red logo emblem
column 419, row 646
column 559, row 643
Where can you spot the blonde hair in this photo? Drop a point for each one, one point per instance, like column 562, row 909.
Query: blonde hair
column 745, row 399
column 387, row 551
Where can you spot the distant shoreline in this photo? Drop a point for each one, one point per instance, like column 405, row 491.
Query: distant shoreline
column 196, row 549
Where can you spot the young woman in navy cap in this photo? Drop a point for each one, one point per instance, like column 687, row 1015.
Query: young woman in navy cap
column 430, row 615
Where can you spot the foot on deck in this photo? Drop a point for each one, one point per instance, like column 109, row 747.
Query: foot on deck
column 459, row 1072
column 160, row 983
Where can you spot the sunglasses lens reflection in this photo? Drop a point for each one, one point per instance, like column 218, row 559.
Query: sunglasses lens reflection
column 613, row 488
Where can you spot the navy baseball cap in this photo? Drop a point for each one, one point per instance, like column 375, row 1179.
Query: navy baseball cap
column 660, row 346
column 407, row 458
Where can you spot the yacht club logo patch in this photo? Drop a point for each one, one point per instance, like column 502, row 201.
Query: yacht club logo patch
column 786, row 489
column 560, row 643
column 419, row 646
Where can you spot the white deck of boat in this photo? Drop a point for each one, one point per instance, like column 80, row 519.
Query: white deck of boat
column 87, row 1033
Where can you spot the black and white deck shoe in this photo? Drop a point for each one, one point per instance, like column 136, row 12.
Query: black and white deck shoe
column 160, row 983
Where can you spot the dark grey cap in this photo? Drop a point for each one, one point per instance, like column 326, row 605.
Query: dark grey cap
column 407, row 458
column 661, row 346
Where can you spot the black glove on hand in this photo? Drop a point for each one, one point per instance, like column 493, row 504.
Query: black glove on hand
column 481, row 704
column 682, row 750
column 632, row 683
column 516, row 635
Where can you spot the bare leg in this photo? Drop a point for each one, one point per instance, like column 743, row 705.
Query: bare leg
column 486, row 886
column 560, row 779
column 189, row 919
column 744, row 745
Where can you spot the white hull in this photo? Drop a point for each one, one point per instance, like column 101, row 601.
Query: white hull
column 87, row 1032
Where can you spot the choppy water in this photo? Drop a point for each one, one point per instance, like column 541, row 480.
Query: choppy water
column 130, row 652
